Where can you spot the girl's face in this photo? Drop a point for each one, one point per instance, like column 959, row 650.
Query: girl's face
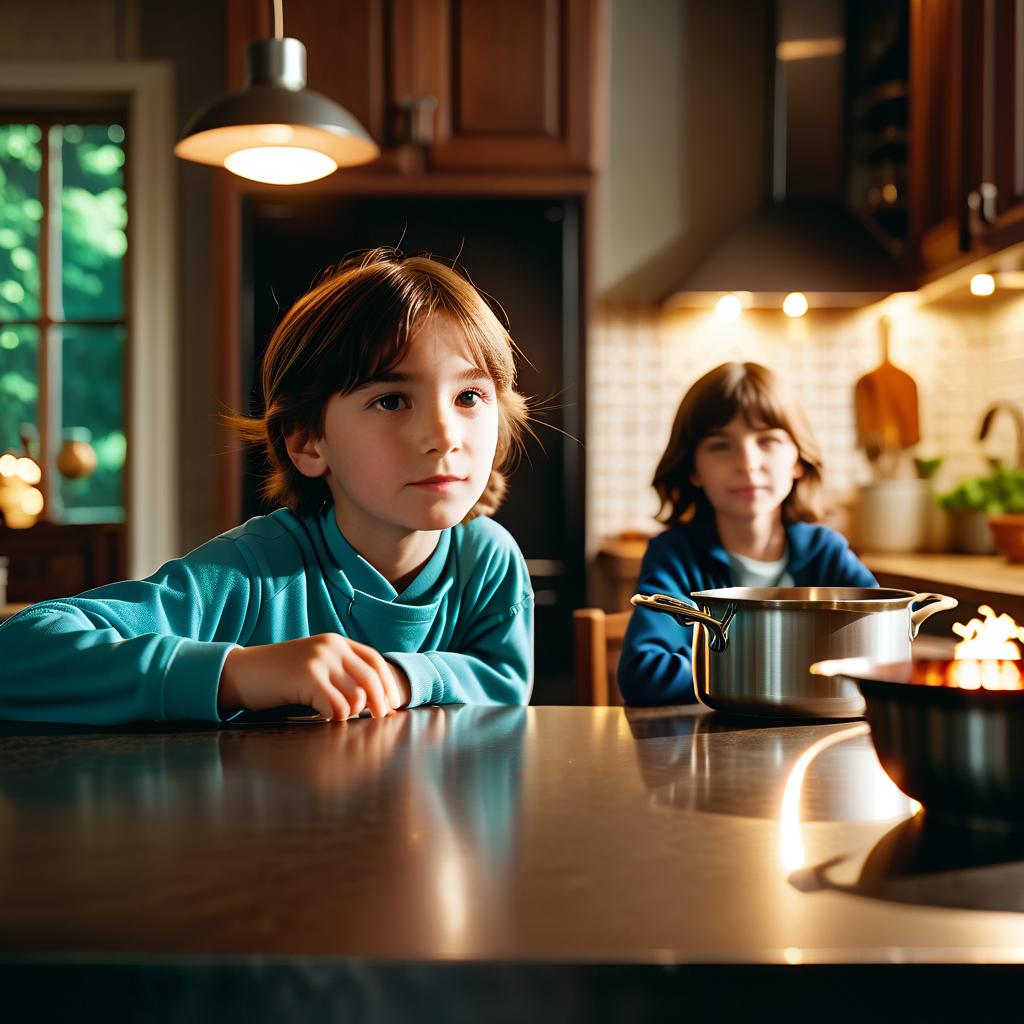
column 746, row 472
column 412, row 451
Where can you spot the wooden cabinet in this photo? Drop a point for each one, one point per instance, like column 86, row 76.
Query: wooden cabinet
column 1004, row 138
column 936, row 131
column 967, row 128
column 47, row 560
column 451, row 85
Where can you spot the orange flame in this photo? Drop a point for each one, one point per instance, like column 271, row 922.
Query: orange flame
column 985, row 657
column 988, row 639
column 984, row 675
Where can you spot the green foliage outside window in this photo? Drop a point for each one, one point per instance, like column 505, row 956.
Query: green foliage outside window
column 20, row 160
column 95, row 354
column 88, row 242
column 19, row 381
column 94, row 216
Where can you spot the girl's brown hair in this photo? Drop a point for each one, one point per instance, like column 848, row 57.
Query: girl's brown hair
column 752, row 391
column 354, row 325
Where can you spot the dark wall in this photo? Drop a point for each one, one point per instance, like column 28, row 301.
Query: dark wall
column 190, row 34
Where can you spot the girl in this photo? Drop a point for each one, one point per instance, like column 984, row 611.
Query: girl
column 740, row 487
column 390, row 413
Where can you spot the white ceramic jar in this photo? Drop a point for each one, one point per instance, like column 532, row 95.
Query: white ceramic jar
column 893, row 515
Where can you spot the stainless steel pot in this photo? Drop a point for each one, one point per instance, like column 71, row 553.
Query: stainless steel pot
column 959, row 752
column 753, row 647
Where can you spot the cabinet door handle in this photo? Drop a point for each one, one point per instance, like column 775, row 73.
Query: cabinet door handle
column 419, row 112
column 981, row 207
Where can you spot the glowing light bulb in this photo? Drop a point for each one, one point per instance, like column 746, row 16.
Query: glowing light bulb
column 728, row 308
column 983, row 284
column 32, row 501
column 794, row 304
column 28, row 470
column 280, row 165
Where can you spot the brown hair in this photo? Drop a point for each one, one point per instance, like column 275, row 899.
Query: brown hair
column 354, row 325
column 753, row 391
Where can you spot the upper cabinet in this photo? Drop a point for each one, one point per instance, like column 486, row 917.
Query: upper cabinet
column 451, row 85
column 967, row 128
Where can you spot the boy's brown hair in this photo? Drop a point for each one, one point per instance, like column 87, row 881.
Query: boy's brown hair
column 352, row 326
column 754, row 392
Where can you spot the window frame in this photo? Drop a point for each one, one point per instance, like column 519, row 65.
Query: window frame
column 146, row 90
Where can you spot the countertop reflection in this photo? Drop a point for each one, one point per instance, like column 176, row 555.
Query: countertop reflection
column 467, row 833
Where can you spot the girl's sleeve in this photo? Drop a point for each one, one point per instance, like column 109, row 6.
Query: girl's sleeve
column 850, row 571
column 654, row 665
column 147, row 649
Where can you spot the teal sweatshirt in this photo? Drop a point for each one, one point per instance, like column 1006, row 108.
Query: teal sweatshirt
column 153, row 649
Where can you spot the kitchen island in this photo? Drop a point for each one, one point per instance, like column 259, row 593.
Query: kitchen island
column 467, row 863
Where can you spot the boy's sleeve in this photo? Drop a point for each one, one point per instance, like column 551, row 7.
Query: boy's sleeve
column 492, row 657
column 147, row 649
column 495, row 666
column 654, row 665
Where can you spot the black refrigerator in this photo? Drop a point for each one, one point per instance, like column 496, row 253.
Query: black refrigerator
column 525, row 252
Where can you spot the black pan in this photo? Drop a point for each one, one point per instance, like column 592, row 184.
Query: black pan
column 958, row 751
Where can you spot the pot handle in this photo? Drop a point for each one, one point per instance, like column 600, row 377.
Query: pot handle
column 685, row 614
column 933, row 603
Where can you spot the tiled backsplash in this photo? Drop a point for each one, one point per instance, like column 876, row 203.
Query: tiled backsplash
column 640, row 362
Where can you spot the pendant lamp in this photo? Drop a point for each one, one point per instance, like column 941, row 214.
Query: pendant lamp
column 275, row 130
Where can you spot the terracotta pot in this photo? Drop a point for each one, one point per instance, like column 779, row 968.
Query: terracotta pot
column 1008, row 532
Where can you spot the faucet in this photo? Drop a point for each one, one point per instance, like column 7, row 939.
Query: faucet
column 1012, row 410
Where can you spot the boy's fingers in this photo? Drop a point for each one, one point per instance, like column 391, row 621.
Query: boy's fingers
column 391, row 687
column 329, row 703
column 380, row 666
column 356, row 700
column 389, row 676
column 355, row 670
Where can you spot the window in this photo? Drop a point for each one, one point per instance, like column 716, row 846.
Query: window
column 63, row 318
column 52, row 559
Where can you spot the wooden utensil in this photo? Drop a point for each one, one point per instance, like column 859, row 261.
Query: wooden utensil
column 886, row 408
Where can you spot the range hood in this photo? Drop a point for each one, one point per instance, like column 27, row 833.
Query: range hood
column 804, row 237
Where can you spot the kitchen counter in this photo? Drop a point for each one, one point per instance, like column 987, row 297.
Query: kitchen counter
column 972, row 579
column 587, row 862
column 991, row 573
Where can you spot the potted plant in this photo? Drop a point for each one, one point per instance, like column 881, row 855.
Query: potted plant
column 937, row 520
column 979, row 499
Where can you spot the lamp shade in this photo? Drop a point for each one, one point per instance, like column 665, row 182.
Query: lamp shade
column 276, row 130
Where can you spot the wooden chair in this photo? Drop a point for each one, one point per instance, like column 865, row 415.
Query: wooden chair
column 598, row 639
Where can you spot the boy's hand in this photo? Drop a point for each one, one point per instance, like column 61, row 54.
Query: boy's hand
column 336, row 676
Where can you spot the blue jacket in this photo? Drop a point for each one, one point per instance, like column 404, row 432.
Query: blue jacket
column 153, row 649
column 654, row 667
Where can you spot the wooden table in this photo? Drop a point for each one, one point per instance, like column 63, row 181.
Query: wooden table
column 467, row 863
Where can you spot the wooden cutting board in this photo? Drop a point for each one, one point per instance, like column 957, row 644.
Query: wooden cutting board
column 886, row 406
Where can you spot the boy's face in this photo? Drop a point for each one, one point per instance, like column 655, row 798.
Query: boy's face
column 412, row 451
column 746, row 472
